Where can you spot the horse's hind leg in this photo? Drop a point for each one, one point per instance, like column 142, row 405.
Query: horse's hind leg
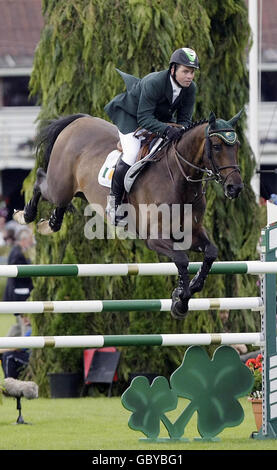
column 29, row 213
column 47, row 227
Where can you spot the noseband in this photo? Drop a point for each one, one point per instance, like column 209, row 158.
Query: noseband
column 215, row 172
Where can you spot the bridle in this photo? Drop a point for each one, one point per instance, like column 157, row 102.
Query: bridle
column 213, row 174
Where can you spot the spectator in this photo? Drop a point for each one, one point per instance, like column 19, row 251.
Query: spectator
column 240, row 348
column 19, row 289
column 12, row 227
column 3, row 219
column 9, row 237
column 14, row 360
column 224, row 317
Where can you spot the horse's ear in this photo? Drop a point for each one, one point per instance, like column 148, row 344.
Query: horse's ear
column 212, row 120
column 234, row 119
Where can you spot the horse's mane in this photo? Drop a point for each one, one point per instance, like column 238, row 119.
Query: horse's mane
column 195, row 124
column 160, row 153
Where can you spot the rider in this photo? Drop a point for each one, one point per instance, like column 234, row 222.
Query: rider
column 150, row 103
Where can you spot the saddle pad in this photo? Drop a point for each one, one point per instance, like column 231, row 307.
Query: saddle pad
column 106, row 173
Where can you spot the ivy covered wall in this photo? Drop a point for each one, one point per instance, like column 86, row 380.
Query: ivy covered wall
column 82, row 43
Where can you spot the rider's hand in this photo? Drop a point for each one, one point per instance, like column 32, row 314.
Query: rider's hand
column 173, row 133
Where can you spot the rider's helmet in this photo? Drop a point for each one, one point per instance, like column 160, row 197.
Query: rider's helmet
column 185, row 56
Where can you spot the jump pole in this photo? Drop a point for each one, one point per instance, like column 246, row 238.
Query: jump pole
column 91, row 306
column 139, row 269
column 99, row 341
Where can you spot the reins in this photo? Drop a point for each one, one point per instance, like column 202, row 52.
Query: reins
column 212, row 174
column 179, row 157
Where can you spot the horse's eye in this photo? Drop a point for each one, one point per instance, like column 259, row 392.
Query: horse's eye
column 217, row 147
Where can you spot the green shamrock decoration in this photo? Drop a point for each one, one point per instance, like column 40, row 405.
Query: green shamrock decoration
column 149, row 403
column 213, row 387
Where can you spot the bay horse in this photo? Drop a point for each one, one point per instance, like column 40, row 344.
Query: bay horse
column 75, row 148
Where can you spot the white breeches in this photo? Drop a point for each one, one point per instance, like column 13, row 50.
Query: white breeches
column 130, row 147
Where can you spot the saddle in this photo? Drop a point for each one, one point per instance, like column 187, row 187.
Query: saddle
column 148, row 143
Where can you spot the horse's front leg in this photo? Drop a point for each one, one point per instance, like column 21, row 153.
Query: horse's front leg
column 182, row 293
column 210, row 255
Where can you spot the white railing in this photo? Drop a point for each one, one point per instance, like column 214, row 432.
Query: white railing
column 268, row 132
column 17, row 131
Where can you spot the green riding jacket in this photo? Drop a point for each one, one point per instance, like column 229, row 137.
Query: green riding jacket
column 147, row 103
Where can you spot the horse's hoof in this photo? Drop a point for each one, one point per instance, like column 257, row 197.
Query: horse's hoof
column 44, row 228
column 176, row 294
column 179, row 310
column 18, row 216
column 195, row 286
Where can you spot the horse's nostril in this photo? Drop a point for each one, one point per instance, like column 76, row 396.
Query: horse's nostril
column 233, row 190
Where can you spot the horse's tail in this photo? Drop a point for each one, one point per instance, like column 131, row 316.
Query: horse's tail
column 49, row 133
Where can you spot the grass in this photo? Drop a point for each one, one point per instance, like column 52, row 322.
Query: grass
column 6, row 321
column 102, row 424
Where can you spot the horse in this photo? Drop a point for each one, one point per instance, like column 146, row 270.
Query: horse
column 75, row 148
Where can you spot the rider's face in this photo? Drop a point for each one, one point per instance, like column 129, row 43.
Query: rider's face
column 184, row 75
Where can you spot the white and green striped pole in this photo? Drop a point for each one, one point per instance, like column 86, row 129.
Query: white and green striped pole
column 139, row 269
column 99, row 341
column 77, row 306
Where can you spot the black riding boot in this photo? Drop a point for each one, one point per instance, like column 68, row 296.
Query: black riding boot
column 117, row 188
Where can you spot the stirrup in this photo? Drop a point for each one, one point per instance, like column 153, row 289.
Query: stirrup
column 113, row 211
column 110, row 209
column 119, row 220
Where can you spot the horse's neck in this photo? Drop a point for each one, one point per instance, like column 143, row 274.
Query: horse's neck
column 190, row 149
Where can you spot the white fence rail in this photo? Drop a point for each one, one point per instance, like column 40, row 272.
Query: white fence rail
column 17, row 130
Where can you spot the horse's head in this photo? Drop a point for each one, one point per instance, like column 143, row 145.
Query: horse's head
column 220, row 155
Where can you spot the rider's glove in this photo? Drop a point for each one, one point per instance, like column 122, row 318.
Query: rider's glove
column 173, row 133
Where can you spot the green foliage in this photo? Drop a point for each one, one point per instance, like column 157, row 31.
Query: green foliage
column 74, row 71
